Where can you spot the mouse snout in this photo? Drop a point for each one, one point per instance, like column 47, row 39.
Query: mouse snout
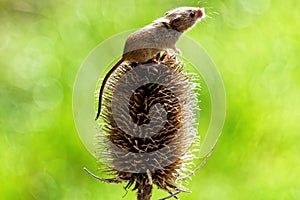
column 201, row 13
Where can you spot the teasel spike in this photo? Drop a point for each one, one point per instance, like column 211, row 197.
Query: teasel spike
column 150, row 145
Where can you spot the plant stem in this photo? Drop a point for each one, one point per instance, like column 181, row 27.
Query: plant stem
column 144, row 191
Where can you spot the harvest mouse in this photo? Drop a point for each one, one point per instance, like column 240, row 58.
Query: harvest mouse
column 143, row 44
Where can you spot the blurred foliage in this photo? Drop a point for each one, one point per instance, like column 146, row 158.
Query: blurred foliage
column 255, row 44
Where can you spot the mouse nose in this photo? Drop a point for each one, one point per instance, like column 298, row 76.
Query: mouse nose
column 201, row 13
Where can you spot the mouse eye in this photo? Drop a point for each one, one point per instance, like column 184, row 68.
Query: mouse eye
column 192, row 14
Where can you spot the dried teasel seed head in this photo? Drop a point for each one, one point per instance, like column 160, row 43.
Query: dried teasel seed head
column 148, row 125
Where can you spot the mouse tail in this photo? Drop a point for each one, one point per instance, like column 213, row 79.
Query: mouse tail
column 104, row 83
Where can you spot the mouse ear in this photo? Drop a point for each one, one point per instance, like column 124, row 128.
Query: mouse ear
column 175, row 23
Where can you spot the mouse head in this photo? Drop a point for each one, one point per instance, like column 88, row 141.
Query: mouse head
column 183, row 18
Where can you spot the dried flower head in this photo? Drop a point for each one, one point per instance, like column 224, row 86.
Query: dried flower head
column 148, row 126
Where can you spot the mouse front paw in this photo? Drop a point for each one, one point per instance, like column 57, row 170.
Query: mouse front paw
column 178, row 51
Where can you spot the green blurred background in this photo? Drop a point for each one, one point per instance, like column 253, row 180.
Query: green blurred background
column 254, row 43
